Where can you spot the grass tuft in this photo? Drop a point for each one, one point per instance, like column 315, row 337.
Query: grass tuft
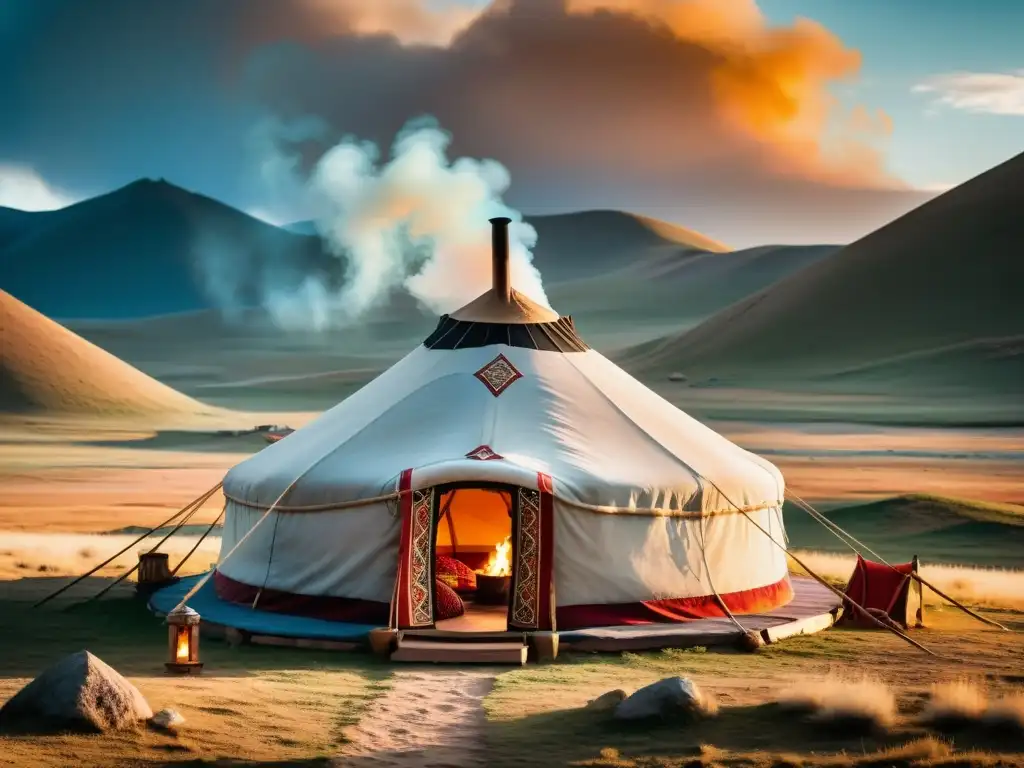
column 955, row 704
column 846, row 703
column 1006, row 714
column 998, row 588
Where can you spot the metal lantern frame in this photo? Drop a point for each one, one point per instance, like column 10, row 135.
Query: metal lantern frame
column 183, row 626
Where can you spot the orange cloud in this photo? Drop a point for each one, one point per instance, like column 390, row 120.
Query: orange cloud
column 698, row 106
column 773, row 83
column 411, row 21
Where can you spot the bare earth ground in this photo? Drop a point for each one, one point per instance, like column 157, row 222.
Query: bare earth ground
column 428, row 718
column 62, row 484
column 263, row 706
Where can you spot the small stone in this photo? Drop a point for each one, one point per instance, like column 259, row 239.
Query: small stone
column 677, row 376
column 750, row 641
column 168, row 719
column 671, row 698
column 608, row 701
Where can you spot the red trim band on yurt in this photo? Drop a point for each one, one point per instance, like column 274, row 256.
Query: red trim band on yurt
column 679, row 609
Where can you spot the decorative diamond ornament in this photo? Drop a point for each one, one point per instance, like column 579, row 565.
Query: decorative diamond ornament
column 498, row 375
column 483, row 453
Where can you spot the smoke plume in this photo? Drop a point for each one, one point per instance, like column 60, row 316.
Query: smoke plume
column 22, row 188
column 412, row 221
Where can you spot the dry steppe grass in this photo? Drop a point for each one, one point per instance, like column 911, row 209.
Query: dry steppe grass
column 856, row 703
column 996, row 588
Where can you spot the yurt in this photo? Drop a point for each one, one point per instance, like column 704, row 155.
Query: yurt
column 504, row 447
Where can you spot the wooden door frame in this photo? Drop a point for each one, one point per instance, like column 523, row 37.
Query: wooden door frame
column 531, row 588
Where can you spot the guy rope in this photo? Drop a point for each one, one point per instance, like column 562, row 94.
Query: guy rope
column 188, row 510
column 859, row 608
column 848, row 539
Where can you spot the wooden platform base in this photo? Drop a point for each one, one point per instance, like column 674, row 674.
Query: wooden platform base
column 440, row 650
column 813, row 609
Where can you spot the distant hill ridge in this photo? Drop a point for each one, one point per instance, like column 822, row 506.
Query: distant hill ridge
column 945, row 274
column 937, row 528
column 150, row 248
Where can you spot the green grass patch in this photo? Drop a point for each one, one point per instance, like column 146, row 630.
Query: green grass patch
column 537, row 716
column 259, row 701
column 941, row 530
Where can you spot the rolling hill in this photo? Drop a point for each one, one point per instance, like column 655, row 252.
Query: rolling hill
column 669, row 289
column 152, row 249
column 571, row 246
column 937, row 529
column 14, row 224
column 45, row 368
column 943, row 280
column 577, row 245
column 146, row 249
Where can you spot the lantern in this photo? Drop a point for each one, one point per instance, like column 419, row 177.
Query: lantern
column 183, row 641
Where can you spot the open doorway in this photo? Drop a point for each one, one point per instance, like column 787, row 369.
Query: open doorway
column 473, row 557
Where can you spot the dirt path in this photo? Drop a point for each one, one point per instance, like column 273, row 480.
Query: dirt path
column 428, row 719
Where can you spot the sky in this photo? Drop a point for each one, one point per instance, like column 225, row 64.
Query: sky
column 940, row 137
column 769, row 121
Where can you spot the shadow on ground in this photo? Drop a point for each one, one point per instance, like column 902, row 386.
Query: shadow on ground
column 766, row 734
column 123, row 633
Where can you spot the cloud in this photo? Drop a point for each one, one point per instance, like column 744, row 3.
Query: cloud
column 771, row 84
column 697, row 110
column 411, row 21
column 698, row 107
column 629, row 87
column 937, row 187
column 24, row 189
column 994, row 93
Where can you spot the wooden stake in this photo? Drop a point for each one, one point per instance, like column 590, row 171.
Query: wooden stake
column 860, row 609
column 829, row 524
column 961, row 606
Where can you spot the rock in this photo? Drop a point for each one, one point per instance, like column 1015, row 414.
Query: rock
column 607, row 701
column 79, row 693
column 676, row 376
column 671, row 698
column 234, row 637
column 168, row 719
column 750, row 641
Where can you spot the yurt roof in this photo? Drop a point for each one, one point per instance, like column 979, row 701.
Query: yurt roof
column 489, row 307
column 502, row 390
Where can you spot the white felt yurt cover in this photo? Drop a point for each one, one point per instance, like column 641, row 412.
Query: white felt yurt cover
column 647, row 514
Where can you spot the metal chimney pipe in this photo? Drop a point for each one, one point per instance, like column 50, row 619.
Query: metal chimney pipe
column 500, row 281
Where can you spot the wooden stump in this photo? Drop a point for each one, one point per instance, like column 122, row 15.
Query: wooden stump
column 154, row 568
column 545, row 645
column 382, row 641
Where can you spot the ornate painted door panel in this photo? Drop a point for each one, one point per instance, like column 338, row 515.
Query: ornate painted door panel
column 415, row 593
column 532, row 603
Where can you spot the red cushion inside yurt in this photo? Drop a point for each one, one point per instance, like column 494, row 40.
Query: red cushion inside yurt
column 449, row 604
column 455, row 573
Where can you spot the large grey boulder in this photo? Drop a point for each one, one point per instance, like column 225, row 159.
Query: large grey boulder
column 671, row 698
column 78, row 693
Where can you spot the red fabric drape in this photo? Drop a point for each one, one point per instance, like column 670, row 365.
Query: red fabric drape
column 758, row 600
